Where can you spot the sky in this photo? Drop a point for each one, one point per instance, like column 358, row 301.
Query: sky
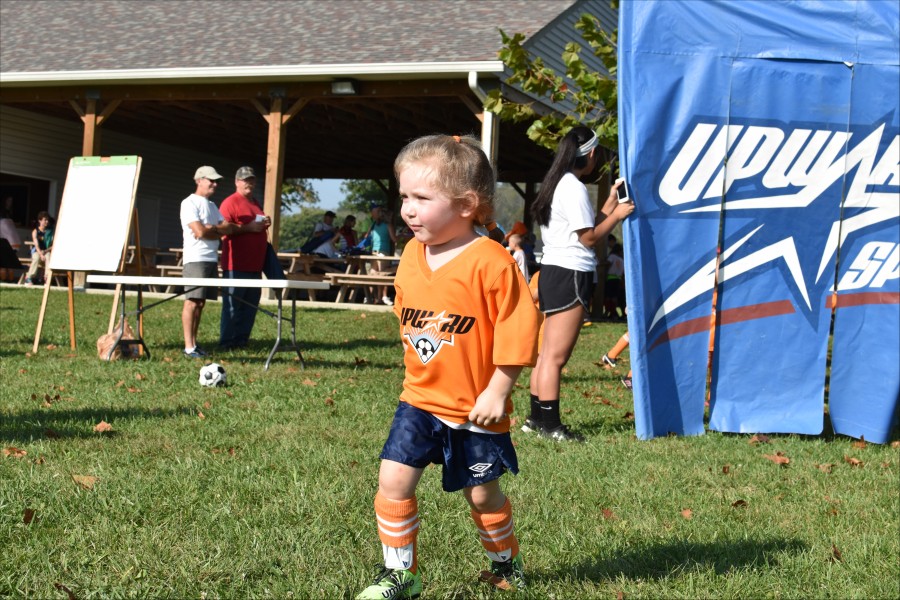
column 329, row 192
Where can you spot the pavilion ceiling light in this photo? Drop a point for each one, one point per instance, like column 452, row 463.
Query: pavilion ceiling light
column 344, row 87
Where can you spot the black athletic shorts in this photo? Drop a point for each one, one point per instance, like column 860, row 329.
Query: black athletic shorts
column 560, row 289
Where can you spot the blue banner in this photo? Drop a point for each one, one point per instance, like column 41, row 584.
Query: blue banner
column 760, row 142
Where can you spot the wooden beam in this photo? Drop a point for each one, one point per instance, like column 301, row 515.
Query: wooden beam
column 293, row 110
column 110, row 108
column 90, row 143
column 428, row 88
column 274, row 168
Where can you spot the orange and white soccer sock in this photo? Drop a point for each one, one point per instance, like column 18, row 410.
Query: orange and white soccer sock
column 619, row 347
column 398, row 528
column 497, row 535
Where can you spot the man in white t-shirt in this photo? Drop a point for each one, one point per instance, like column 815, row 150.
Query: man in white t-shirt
column 202, row 225
column 326, row 224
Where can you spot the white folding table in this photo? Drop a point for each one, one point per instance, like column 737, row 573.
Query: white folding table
column 192, row 283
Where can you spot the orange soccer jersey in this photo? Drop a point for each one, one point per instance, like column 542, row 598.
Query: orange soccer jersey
column 459, row 323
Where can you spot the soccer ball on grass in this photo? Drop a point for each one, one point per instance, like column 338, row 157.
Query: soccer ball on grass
column 212, row 375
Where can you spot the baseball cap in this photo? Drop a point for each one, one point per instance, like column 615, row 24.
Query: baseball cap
column 518, row 228
column 206, row 173
column 245, row 173
column 329, row 213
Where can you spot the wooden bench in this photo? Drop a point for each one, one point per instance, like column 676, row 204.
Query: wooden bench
column 346, row 281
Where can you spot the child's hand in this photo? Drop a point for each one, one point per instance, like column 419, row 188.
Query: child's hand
column 489, row 409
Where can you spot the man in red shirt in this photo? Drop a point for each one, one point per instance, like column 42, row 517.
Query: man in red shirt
column 243, row 256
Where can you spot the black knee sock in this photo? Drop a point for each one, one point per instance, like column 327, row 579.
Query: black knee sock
column 536, row 415
column 550, row 414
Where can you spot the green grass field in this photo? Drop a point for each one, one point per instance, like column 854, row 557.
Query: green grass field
column 264, row 488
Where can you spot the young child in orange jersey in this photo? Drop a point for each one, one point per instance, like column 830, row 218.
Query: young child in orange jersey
column 464, row 309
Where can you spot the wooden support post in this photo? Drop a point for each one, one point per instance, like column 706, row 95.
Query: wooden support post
column 274, row 169
column 277, row 120
column 90, row 143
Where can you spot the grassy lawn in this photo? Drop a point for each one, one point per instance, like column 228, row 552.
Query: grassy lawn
column 264, row 488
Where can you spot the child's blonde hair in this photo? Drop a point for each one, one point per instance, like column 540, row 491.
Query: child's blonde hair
column 458, row 166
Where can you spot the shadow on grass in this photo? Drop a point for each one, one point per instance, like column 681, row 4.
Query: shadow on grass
column 59, row 423
column 664, row 560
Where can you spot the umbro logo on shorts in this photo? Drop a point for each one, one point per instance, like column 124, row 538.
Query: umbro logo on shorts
column 480, row 468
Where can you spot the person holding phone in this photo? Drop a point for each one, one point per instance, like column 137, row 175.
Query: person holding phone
column 569, row 230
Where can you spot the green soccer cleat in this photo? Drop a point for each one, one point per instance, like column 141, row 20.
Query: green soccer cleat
column 509, row 575
column 392, row 584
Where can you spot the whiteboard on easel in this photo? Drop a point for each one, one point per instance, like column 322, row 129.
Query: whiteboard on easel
column 95, row 213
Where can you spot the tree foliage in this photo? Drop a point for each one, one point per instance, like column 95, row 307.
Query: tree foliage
column 296, row 194
column 590, row 97
column 296, row 228
column 359, row 194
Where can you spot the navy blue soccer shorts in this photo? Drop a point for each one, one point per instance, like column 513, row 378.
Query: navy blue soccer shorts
column 469, row 458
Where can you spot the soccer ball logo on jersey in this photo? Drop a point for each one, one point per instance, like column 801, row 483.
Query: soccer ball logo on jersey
column 427, row 333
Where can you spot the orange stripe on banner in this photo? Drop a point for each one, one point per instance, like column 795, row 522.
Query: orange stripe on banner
column 725, row 317
column 862, row 299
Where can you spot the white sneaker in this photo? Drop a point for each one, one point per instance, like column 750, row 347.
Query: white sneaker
column 387, row 301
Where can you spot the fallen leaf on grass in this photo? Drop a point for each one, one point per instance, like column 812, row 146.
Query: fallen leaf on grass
column 102, row 426
column 620, row 595
column 739, row 504
column 726, row 469
column 853, row 462
column 14, row 452
column 62, row 588
column 167, row 359
column 23, row 371
column 200, row 415
column 207, row 405
column 120, row 383
column 759, row 439
column 139, row 377
column 329, row 401
column 51, row 346
column 778, row 458
column 687, row 514
column 494, row 580
column 836, row 554
column 85, row 481
column 608, row 514
column 860, row 443
column 309, row 381
column 825, row 467
column 134, row 390
column 628, row 416
column 40, row 460
column 28, row 516
column 895, row 444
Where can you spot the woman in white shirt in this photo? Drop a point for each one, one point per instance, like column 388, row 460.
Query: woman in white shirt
column 569, row 230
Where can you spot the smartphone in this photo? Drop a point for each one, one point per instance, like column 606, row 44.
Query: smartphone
column 622, row 191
